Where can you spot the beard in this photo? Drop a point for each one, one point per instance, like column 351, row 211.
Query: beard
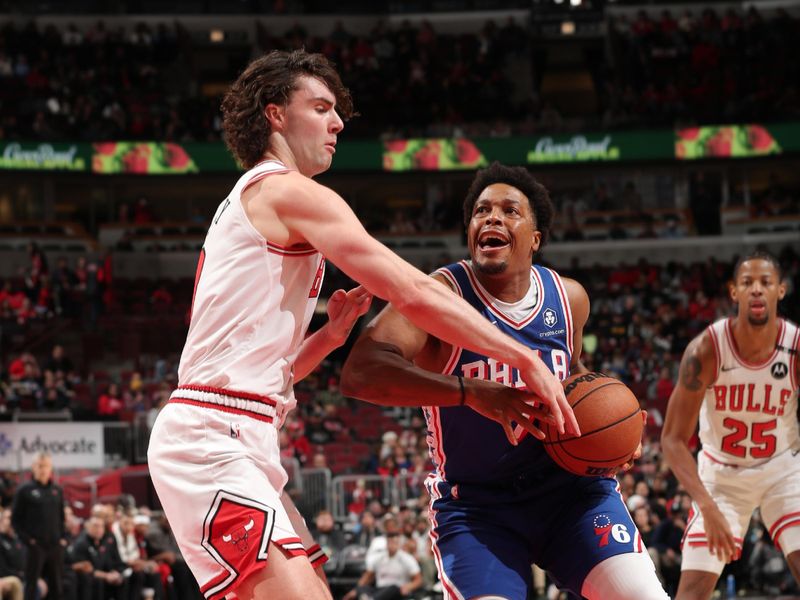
column 758, row 321
column 491, row 268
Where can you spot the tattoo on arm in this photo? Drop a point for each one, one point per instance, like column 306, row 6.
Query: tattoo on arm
column 690, row 373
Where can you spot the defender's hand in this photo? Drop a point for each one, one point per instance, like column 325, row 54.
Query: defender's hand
column 344, row 309
column 550, row 393
column 504, row 405
column 719, row 535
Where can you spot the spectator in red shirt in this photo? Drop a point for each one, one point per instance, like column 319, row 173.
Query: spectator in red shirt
column 110, row 404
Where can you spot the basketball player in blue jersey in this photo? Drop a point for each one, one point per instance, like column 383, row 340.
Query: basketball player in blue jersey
column 496, row 506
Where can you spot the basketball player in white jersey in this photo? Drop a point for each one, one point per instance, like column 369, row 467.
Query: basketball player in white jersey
column 740, row 378
column 214, row 455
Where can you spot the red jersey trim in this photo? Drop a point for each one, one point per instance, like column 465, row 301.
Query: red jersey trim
column 435, row 494
column 231, row 393
column 223, row 408
column 455, row 351
column 256, row 178
column 214, row 582
column 316, row 556
column 719, row 462
column 483, row 297
column 785, row 522
column 794, row 358
column 436, row 423
column 735, row 348
column 717, row 353
column 297, row 250
column 565, row 306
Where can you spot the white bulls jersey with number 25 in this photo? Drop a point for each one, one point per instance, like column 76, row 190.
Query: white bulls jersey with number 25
column 749, row 413
column 253, row 302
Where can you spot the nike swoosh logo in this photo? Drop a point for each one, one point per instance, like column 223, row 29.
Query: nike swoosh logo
column 729, row 368
column 494, row 322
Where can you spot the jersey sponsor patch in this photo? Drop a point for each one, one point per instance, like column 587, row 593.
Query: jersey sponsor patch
column 549, row 317
column 779, row 370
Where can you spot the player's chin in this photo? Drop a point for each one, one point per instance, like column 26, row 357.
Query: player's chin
column 490, row 266
column 758, row 320
column 322, row 165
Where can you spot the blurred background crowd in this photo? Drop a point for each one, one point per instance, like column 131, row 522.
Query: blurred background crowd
column 96, row 282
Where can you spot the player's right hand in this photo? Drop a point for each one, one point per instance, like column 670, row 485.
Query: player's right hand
column 718, row 534
column 549, row 391
column 506, row 405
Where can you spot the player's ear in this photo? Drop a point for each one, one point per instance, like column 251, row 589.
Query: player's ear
column 275, row 115
column 781, row 290
column 536, row 241
column 732, row 290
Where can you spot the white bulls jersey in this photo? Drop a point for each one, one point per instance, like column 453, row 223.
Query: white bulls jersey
column 253, row 302
column 749, row 414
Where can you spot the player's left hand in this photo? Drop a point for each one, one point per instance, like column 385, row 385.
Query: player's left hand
column 344, row 309
column 638, row 453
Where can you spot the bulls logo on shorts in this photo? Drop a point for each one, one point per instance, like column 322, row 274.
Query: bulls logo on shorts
column 236, row 533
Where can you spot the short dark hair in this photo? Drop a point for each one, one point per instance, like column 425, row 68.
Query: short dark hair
column 525, row 182
column 270, row 79
column 759, row 254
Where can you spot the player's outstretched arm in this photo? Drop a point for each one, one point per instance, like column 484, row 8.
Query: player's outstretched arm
column 321, row 217
column 697, row 372
column 386, row 367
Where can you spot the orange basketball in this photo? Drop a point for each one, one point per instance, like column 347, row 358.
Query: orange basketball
column 611, row 426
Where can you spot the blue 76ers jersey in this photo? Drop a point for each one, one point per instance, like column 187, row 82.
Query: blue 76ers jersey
column 465, row 446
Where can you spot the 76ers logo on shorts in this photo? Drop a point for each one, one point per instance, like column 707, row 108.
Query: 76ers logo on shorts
column 236, row 533
column 606, row 531
column 549, row 317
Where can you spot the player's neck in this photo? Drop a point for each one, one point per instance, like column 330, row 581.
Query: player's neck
column 755, row 342
column 279, row 150
column 504, row 288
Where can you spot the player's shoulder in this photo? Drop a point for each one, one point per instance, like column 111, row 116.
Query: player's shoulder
column 439, row 276
column 450, row 273
column 703, row 346
column 577, row 296
column 791, row 326
column 288, row 184
column 574, row 289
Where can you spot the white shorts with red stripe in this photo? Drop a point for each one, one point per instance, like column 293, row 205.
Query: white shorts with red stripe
column 215, row 464
column 774, row 487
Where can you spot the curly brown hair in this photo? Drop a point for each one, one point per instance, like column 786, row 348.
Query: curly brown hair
column 271, row 79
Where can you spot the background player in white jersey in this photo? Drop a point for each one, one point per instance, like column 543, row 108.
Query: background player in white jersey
column 497, row 507
column 740, row 379
column 214, row 455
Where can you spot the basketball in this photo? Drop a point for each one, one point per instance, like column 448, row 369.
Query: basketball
column 611, row 426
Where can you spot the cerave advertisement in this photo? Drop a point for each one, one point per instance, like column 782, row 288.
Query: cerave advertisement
column 731, row 141
column 71, row 445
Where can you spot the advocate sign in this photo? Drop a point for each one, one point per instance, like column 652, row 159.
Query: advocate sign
column 72, row 445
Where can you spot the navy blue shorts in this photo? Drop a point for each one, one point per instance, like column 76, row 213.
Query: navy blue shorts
column 485, row 539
